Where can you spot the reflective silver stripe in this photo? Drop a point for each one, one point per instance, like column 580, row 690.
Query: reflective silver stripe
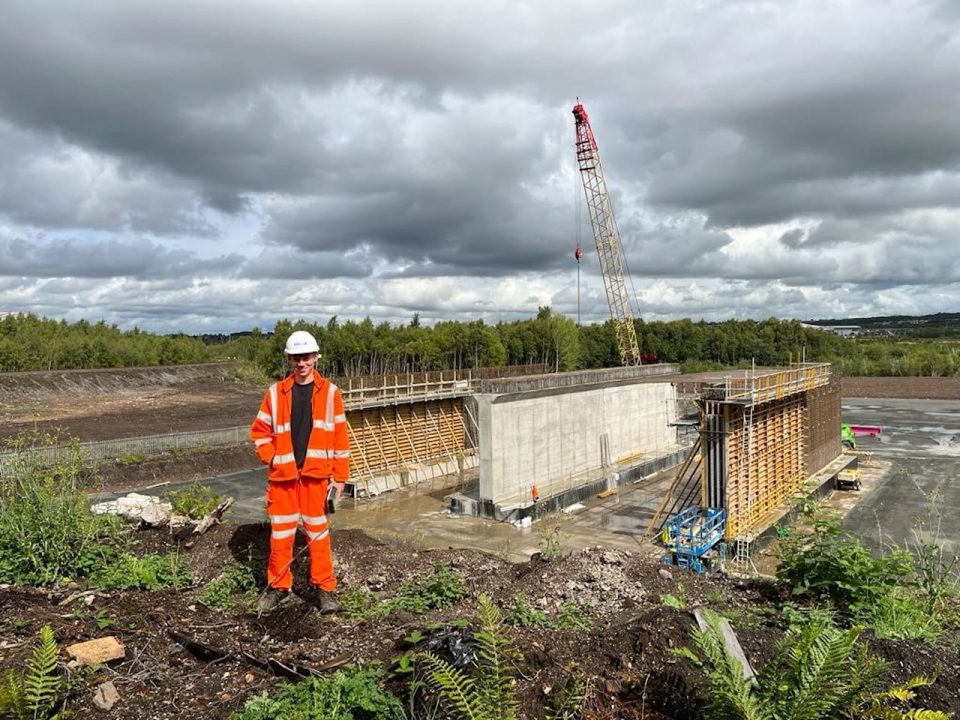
column 261, row 441
column 328, row 454
column 261, row 415
column 280, row 534
column 273, row 406
column 314, row 519
column 317, row 536
column 281, row 459
column 283, row 428
column 340, row 418
column 277, row 519
column 331, row 391
column 321, row 425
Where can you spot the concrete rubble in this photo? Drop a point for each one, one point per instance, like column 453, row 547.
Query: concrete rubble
column 148, row 509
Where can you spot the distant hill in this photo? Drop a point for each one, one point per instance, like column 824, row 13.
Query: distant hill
column 937, row 325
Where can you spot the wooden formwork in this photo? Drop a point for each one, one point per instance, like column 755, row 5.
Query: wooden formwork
column 763, row 434
column 393, row 438
column 765, row 460
column 823, row 426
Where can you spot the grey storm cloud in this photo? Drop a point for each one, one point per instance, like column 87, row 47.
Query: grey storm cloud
column 71, row 258
column 291, row 143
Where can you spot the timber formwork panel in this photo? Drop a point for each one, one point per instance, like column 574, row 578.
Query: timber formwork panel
column 823, row 423
column 395, row 437
column 765, row 455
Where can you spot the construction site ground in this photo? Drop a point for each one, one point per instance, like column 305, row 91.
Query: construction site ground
column 627, row 653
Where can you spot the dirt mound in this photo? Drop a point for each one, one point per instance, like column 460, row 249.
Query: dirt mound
column 626, row 655
column 122, row 403
column 38, row 384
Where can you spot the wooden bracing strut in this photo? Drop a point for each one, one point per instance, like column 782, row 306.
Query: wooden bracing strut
column 683, row 490
column 389, row 440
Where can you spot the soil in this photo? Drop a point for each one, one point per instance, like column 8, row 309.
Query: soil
column 189, row 465
column 110, row 404
column 915, row 388
column 184, row 660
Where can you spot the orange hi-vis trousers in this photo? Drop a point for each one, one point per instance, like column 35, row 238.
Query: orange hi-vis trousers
column 289, row 502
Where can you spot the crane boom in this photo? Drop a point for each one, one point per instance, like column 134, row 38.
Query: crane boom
column 607, row 238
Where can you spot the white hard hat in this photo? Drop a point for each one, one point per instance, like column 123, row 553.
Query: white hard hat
column 300, row 343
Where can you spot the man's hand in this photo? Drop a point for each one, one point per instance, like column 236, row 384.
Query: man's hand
column 339, row 486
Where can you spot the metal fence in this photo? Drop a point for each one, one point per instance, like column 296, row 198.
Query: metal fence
column 137, row 448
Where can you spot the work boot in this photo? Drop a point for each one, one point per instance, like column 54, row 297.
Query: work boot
column 270, row 600
column 328, row 602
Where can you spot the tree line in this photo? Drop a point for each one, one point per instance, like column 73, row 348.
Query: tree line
column 28, row 342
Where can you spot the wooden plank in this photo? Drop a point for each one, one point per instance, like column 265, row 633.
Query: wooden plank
column 730, row 642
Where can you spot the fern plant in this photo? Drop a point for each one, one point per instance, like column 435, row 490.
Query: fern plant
column 818, row 673
column 38, row 693
column 489, row 693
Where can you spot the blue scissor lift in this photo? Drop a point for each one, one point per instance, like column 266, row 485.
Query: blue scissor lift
column 694, row 537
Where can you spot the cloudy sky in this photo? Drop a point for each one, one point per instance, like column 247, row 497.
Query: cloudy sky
column 202, row 166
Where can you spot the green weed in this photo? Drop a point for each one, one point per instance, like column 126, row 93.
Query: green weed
column 901, row 615
column 195, row 501
column 355, row 694
column 102, row 620
column 357, row 603
column 678, row 601
column 551, row 538
column 235, row 579
column 524, row 614
column 149, row 572
column 422, row 593
column 571, row 616
column 47, row 532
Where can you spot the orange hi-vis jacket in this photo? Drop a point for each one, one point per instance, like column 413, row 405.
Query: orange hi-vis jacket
column 328, row 449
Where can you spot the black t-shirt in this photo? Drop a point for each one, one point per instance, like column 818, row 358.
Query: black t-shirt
column 301, row 420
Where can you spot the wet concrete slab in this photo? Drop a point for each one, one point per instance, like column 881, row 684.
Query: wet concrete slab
column 919, row 494
column 420, row 515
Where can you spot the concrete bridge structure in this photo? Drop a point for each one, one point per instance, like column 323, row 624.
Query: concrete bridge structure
column 745, row 441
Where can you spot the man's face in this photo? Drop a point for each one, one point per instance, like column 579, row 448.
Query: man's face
column 302, row 365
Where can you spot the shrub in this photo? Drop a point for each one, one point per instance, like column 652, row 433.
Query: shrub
column 347, row 695
column 47, row 532
column 834, row 565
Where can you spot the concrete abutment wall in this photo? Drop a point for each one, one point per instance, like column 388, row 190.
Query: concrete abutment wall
column 561, row 439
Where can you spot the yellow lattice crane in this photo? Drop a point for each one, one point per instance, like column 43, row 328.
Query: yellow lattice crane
column 607, row 238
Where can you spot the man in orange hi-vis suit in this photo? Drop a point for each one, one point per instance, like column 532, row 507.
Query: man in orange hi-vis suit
column 301, row 435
